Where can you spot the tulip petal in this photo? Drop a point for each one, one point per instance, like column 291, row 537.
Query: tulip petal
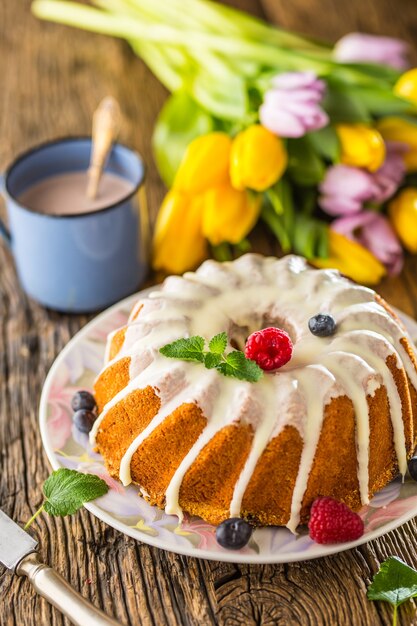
column 292, row 107
column 178, row 243
column 373, row 231
column 351, row 259
column 281, row 122
column 257, row 160
column 205, row 163
column 345, row 189
column 229, row 215
column 403, row 216
column 361, row 146
column 361, row 47
column 395, row 129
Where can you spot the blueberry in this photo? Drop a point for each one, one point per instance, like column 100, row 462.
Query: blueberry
column 412, row 467
column 233, row 533
column 322, row 325
column 84, row 420
column 83, row 400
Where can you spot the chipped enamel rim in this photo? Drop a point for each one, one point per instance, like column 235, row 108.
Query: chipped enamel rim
column 198, row 538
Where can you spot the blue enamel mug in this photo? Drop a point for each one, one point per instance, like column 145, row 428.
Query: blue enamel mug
column 77, row 262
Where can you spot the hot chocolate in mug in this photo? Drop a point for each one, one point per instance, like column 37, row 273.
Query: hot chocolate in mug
column 68, row 256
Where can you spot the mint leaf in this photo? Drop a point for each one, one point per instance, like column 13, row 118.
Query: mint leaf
column 233, row 364
column 66, row 491
column 395, row 582
column 237, row 365
column 218, row 343
column 191, row 349
column 212, row 360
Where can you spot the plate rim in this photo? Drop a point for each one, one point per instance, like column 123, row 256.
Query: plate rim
column 232, row 557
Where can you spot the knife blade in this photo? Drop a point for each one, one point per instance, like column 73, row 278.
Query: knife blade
column 18, row 553
column 15, row 543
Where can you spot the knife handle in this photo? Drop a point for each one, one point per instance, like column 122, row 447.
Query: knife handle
column 49, row 584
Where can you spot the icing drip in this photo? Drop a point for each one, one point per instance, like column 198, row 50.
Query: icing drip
column 268, row 407
column 357, row 394
column 314, row 390
column 239, row 298
column 222, row 414
column 190, row 393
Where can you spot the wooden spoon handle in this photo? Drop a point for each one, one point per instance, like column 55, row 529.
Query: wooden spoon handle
column 106, row 124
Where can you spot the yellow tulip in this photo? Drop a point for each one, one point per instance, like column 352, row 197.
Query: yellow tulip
column 258, row 159
column 178, row 243
column 361, row 146
column 406, row 86
column 229, row 214
column 402, row 212
column 397, row 129
column 205, row 163
column 351, row 259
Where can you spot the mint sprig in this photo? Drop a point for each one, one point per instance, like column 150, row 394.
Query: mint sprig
column 191, row 349
column 67, row 490
column 233, row 363
column 395, row 582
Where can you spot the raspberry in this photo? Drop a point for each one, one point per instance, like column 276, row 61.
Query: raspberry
column 270, row 348
column 332, row 521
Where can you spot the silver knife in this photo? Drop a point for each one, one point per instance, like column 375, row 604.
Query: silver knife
column 18, row 553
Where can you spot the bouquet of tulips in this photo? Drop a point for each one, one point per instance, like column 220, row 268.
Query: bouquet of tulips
column 317, row 142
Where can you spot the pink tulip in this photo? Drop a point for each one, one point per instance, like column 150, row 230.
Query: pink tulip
column 364, row 48
column 345, row 189
column 374, row 232
column 291, row 108
column 392, row 172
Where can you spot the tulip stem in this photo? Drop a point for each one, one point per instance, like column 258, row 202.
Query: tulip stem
column 274, row 221
column 222, row 252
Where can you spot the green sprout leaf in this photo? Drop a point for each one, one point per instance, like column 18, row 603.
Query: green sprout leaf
column 67, row 490
column 212, row 360
column 191, row 349
column 218, row 343
column 395, row 582
column 237, row 365
column 180, row 121
column 233, row 363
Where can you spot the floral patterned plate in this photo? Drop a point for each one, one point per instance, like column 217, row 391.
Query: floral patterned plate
column 75, row 368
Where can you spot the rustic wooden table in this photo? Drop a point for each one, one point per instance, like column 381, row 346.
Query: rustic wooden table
column 51, row 80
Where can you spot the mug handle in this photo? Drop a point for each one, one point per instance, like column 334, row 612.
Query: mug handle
column 4, row 232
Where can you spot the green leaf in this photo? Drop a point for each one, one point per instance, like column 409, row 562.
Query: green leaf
column 180, row 121
column 224, row 99
column 233, row 364
column 304, row 237
column 238, row 366
column 212, row 360
column 242, row 247
column 305, row 166
column 395, row 582
column 218, row 343
column 277, row 226
column 382, row 101
column 344, row 106
column 322, row 250
column 66, row 491
column 326, row 143
column 310, row 237
column 222, row 252
column 190, row 349
column 274, row 196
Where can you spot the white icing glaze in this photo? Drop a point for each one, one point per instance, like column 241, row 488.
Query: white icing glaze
column 239, row 298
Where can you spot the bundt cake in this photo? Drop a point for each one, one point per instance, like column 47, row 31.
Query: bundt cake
column 339, row 419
